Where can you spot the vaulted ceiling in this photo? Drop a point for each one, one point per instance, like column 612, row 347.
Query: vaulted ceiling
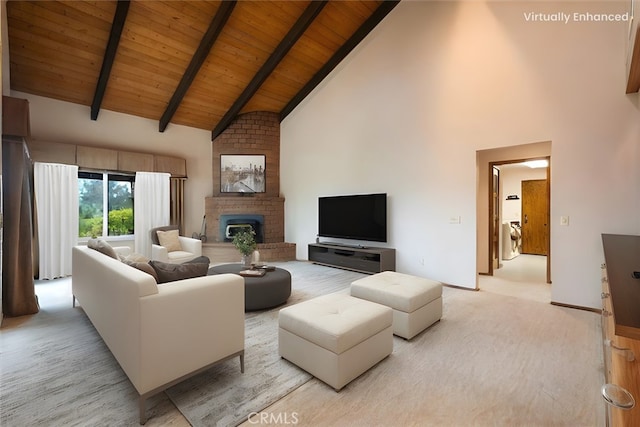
column 193, row 63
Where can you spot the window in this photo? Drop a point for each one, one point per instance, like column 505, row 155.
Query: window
column 97, row 190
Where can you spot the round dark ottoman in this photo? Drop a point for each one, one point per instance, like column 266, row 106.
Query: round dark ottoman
column 270, row 290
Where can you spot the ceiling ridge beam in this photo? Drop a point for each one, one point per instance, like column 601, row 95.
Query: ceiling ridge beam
column 117, row 26
column 202, row 52
column 296, row 31
column 375, row 18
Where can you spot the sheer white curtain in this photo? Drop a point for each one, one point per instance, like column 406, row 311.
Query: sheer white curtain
column 56, row 195
column 151, row 207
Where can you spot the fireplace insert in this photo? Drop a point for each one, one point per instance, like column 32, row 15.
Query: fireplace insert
column 233, row 224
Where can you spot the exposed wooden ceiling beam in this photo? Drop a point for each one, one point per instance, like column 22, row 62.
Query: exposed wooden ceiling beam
column 109, row 55
column 377, row 16
column 270, row 64
column 209, row 38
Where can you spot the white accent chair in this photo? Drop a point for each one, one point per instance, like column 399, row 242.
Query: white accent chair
column 178, row 250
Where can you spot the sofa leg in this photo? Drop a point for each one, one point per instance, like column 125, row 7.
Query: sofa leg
column 242, row 362
column 143, row 414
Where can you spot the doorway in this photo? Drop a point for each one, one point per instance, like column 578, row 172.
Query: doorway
column 519, row 207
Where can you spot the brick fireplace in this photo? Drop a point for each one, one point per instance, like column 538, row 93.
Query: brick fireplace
column 256, row 133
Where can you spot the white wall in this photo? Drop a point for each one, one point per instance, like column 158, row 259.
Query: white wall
column 436, row 82
column 58, row 121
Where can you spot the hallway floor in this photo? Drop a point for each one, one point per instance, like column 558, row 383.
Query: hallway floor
column 523, row 277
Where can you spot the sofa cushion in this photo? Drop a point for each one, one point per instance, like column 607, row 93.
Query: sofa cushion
column 171, row 272
column 169, row 239
column 142, row 266
column 102, row 246
column 134, row 257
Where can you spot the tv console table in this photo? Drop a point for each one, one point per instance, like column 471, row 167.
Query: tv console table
column 363, row 259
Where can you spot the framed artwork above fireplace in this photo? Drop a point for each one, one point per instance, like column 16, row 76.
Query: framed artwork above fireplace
column 242, row 173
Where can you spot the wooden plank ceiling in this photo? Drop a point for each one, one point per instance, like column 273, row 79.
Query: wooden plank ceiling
column 193, row 63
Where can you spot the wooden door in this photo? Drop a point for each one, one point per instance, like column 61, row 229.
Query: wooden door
column 535, row 217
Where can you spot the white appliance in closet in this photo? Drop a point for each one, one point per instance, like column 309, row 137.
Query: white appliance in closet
column 511, row 239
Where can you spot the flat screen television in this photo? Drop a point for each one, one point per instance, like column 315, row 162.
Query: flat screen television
column 356, row 217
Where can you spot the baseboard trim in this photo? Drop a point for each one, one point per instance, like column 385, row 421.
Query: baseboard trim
column 577, row 307
column 464, row 288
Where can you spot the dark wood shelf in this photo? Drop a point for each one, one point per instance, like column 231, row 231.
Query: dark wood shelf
column 622, row 258
column 366, row 259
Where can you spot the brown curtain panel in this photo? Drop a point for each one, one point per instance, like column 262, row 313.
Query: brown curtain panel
column 176, row 210
column 18, row 290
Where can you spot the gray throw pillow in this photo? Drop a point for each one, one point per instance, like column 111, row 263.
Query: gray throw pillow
column 102, row 246
column 167, row 272
column 199, row 260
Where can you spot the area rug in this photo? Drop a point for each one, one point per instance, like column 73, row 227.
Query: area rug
column 222, row 396
column 55, row 370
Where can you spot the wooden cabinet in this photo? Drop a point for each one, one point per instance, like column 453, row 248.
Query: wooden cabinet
column 621, row 322
column 366, row 260
column 15, row 117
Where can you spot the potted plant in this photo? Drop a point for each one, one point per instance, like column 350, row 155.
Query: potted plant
column 245, row 242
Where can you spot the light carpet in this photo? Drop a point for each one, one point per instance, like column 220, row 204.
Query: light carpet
column 493, row 360
column 223, row 396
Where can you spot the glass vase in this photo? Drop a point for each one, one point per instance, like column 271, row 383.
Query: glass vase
column 246, row 260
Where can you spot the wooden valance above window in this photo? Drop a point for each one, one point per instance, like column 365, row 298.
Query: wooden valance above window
column 106, row 158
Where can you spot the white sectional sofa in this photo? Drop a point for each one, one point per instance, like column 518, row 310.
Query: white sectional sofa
column 160, row 334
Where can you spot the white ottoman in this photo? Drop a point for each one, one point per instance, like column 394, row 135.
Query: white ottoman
column 335, row 337
column 416, row 301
